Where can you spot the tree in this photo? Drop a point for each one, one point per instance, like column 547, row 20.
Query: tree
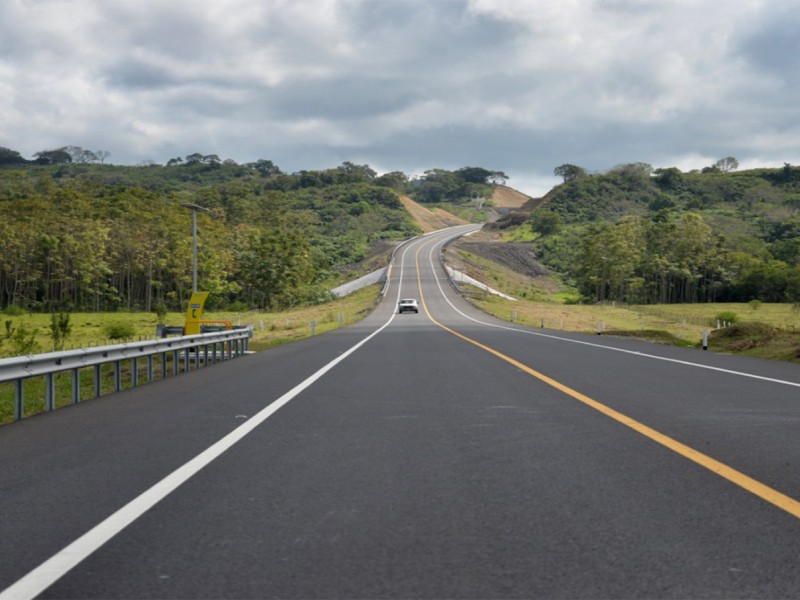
column 545, row 221
column 727, row 164
column 10, row 157
column 497, row 178
column 669, row 179
column 397, row 180
column 102, row 155
column 265, row 168
column 80, row 155
column 348, row 172
column 569, row 172
column 437, row 185
column 473, row 174
column 53, row 157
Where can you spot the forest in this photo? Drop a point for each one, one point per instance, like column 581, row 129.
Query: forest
column 77, row 234
column 80, row 234
column 641, row 235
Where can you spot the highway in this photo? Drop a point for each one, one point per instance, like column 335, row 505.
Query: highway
column 440, row 455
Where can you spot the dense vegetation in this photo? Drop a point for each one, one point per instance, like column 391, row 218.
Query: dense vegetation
column 643, row 236
column 78, row 234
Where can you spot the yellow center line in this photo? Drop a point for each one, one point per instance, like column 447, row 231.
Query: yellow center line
column 738, row 478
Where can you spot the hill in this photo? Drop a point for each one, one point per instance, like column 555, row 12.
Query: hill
column 79, row 235
column 642, row 236
column 103, row 237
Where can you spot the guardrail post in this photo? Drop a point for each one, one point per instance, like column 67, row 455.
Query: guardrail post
column 98, row 381
column 117, row 376
column 19, row 402
column 186, row 360
column 49, row 392
column 76, row 386
column 149, row 368
column 175, row 360
column 134, row 371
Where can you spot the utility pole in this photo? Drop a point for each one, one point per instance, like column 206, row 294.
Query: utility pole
column 194, row 208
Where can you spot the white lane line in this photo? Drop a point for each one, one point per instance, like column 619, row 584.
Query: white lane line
column 633, row 352
column 54, row 568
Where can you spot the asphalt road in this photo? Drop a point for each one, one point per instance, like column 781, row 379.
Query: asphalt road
column 438, row 455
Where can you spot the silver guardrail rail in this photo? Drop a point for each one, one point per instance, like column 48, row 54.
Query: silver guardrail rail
column 201, row 350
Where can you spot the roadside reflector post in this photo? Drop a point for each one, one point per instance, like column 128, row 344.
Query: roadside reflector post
column 705, row 339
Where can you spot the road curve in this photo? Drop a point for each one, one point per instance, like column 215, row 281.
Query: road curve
column 440, row 455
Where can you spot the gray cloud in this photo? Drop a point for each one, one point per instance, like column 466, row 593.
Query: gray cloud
column 515, row 85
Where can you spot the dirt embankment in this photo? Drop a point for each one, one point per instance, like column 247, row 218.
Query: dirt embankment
column 506, row 197
column 430, row 220
column 516, row 256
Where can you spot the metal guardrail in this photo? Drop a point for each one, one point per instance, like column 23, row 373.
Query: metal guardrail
column 203, row 349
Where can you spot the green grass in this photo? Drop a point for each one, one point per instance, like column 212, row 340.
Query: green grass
column 544, row 301
column 269, row 329
column 523, row 233
column 678, row 324
column 34, row 388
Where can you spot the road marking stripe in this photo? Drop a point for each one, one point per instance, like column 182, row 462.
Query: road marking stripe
column 738, row 478
column 612, row 348
column 54, row 568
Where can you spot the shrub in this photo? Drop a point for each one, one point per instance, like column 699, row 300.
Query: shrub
column 119, row 331
column 161, row 311
column 726, row 316
column 238, row 306
column 22, row 340
column 60, row 328
column 12, row 310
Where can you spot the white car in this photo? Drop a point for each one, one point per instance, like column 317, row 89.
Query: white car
column 407, row 305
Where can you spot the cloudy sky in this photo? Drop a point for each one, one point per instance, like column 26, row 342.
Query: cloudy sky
column 520, row 86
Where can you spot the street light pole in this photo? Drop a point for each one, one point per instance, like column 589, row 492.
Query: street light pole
column 194, row 208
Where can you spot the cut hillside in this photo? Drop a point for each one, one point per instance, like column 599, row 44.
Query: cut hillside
column 522, row 273
column 506, row 197
column 514, row 217
column 430, row 220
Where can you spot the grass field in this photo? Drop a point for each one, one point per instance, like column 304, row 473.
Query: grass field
column 270, row 328
column 678, row 324
column 90, row 329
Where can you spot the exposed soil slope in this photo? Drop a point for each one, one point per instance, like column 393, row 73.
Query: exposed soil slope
column 506, row 197
column 430, row 220
column 517, row 258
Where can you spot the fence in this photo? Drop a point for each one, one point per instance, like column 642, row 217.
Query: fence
column 202, row 350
